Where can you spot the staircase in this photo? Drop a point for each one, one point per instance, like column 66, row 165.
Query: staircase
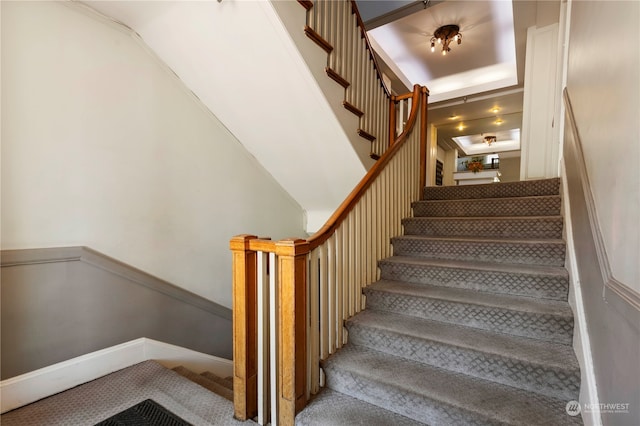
column 197, row 399
column 469, row 322
column 209, row 381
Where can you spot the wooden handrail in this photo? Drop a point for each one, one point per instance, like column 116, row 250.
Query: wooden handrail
column 397, row 98
column 363, row 31
column 289, row 282
column 347, row 205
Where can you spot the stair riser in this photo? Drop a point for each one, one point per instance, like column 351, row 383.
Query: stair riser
column 543, row 286
column 556, row 382
column 507, row 189
column 532, row 253
column 539, row 206
column 547, row 327
column 537, row 228
column 400, row 401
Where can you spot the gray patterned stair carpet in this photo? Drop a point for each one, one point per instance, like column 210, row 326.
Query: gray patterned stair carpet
column 469, row 323
column 100, row 399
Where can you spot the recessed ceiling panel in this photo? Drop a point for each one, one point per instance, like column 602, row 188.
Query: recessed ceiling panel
column 485, row 60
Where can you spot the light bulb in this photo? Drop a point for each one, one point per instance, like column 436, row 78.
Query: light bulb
column 439, row 40
column 444, row 52
column 433, row 47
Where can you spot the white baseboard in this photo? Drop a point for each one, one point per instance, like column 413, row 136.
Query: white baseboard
column 581, row 343
column 171, row 356
column 30, row 387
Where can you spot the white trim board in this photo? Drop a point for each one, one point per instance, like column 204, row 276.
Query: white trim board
column 30, row 387
column 581, row 342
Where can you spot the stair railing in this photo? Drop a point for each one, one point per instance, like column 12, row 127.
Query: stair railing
column 291, row 297
column 336, row 26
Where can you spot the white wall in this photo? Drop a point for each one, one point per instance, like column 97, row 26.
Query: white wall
column 604, row 85
column 539, row 146
column 239, row 59
column 103, row 146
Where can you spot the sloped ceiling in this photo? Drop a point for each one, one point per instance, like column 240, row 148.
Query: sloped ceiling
column 237, row 57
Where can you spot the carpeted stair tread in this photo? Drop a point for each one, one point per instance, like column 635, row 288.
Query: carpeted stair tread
column 549, row 320
column 331, row 408
column 227, row 382
column 548, row 282
column 436, row 396
column 532, row 350
column 205, row 382
column 494, row 190
column 549, row 252
column 543, row 367
column 546, row 205
column 492, row 300
column 544, row 227
column 480, row 266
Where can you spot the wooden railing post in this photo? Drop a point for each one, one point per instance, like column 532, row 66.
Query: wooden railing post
column 245, row 325
column 292, row 338
column 392, row 121
column 423, row 137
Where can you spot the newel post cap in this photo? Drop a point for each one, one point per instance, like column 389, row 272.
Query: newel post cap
column 292, row 247
column 241, row 242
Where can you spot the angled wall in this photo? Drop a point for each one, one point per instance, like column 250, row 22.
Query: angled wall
column 102, row 146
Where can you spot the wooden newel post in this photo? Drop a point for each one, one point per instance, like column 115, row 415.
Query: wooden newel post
column 245, row 325
column 424, row 94
column 292, row 339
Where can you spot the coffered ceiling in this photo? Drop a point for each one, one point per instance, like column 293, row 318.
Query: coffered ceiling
column 478, row 83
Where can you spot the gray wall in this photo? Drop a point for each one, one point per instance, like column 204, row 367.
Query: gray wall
column 601, row 153
column 613, row 323
column 64, row 302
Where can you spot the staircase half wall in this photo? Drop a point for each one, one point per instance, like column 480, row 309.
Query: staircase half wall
column 64, row 302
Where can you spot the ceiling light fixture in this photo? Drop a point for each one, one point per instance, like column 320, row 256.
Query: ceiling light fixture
column 445, row 35
column 498, row 121
column 460, row 127
column 495, row 110
column 489, row 140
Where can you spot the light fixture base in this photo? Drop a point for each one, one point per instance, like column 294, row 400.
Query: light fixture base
column 445, row 35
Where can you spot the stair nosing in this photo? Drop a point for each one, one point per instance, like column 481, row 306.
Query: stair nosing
column 517, row 268
column 488, row 198
column 492, row 218
column 446, row 339
column 483, row 239
column 457, row 295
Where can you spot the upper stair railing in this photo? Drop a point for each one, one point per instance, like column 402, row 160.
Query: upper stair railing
column 291, row 297
column 336, row 26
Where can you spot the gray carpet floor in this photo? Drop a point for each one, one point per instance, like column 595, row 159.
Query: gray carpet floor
column 102, row 398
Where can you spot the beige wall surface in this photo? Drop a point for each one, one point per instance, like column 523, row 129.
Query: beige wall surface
column 103, row 146
column 601, row 157
column 510, row 169
column 604, row 84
